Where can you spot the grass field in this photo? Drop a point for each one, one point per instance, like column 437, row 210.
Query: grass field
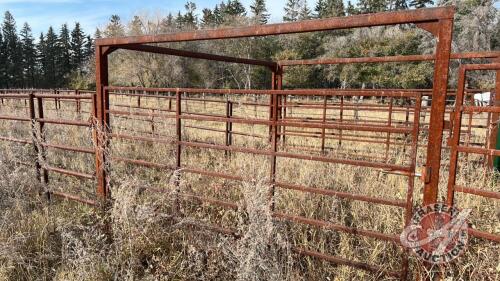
column 163, row 235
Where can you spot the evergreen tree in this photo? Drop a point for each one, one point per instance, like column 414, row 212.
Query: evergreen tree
column 351, row 9
column 259, row 11
column 495, row 39
column 234, row 8
column 114, row 27
column 417, row 4
column 78, row 52
column 400, row 5
column 97, row 34
column 292, row 10
column 13, row 53
column 50, row 54
column 218, row 14
column 330, row 8
column 42, row 60
column 304, row 11
column 64, row 65
column 29, row 56
column 208, row 18
column 373, row 6
column 179, row 21
column 135, row 26
column 89, row 48
column 190, row 19
column 321, row 9
column 170, row 20
column 3, row 73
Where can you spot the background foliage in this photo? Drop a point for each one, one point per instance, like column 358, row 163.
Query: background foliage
column 64, row 59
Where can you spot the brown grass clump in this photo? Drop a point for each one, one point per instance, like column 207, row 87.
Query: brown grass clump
column 149, row 231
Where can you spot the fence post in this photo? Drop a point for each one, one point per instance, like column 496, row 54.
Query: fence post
column 34, row 137
column 341, row 119
column 102, row 119
column 229, row 125
column 178, row 164
column 78, row 103
column 152, row 121
column 323, row 129
column 277, row 84
column 283, row 117
column 495, row 120
column 389, row 123
column 274, row 147
column 38, row 139
column 41, row 132
column 443, row 32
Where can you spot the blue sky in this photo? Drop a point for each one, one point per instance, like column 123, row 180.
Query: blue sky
column 41, row 14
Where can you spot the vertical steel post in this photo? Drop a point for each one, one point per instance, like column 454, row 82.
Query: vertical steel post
column 273, row 113
column 102, row 119
column 229, row 124
column 411, row 177
column 323, row 129
column 274, row 147
column 407, row 102
column 389, row 123
column 439, row 90
column 152, row 121
column 178, row 164
column 469, row 124
column 271, row 100
column 341, row 118
column 34, row 137
column 285, row 105
column 279, row 87
column 495, row 120
column 455, row 139
column 41, row 132
column 78, row 103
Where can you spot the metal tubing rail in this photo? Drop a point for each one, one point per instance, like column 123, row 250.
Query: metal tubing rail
column 380, row 19
column 456, row 147
column 437, row 21
column 180, row 115
column 401, row 58
column 401, row 93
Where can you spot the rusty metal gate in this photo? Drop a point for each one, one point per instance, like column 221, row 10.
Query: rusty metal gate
column 176, row 108
column 459, row 145
column 289, row 124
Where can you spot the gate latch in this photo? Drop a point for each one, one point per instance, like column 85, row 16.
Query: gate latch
column 426, row 175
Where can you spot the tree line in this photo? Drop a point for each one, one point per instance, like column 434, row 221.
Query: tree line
column 60, row 60
column 52, row 61
column 476, row 28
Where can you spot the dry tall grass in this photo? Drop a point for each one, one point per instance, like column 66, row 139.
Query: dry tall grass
column 156, row 236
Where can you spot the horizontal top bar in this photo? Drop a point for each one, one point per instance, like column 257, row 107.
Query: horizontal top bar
column 489, row 66
column 378, row 19
column 403, row 58
column 197, row 55
column 304, row 92
column 323, row 92
column 63, row 97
